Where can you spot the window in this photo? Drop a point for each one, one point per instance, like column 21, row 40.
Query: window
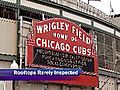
column 86, row 29
column 8, row 13
column 33, row 15
column 118, row 45
column 47, row 17
column 105, row 50
column 1, row 11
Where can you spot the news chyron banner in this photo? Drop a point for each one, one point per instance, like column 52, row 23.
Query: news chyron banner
column 39, row 74
column 60, row 43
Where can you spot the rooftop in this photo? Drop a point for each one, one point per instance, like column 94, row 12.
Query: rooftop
column 84, row 7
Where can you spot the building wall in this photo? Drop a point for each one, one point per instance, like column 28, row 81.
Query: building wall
column 40, row 7
column 8, row 46
column 23, row 85
column 8, row 36
column 13, row 1
column 108, row 83
column 5, row 64
column 116, row 21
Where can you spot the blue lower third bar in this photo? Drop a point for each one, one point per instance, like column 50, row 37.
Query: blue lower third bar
column 39, row 74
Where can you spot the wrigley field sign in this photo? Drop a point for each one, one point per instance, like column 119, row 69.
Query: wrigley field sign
column 59, row 43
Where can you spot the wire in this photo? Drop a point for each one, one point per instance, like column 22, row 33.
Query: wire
column 34, row 57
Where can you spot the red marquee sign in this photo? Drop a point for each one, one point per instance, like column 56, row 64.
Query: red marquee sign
column 70, row 46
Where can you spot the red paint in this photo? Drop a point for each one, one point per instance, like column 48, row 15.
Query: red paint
column 83, row 80
column 67, row 29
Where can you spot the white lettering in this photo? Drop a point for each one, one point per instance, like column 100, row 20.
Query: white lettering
column 89, row 52
column 44, row 43
column 62, row 46
column 57, row 46
column 77, row 32
column 45, row 28
column 53, row 25
column 74, row 49
column 84, row 51
column 83, row 37
column 52, row 44
column 37, row 41
column 81, row 50
column 67, row 47
column 62, row 36
column 58, row 26
column 87, row 40
column 62, row 25
column 39, row 29
column 66, row 26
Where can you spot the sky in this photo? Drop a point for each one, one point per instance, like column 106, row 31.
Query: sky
column 104, row 5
